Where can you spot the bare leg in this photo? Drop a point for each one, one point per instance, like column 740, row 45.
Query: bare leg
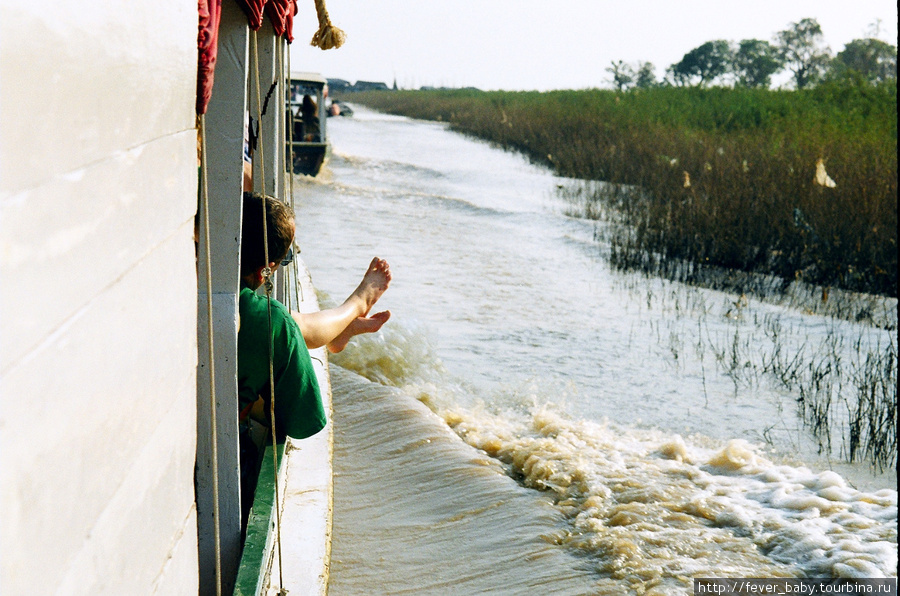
column 374, row 283
column 323, row 327
column 358, row 326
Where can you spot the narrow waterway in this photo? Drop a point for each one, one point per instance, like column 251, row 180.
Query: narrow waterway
column 540, row 423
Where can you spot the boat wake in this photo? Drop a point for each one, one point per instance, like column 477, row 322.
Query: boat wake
column 636, row 507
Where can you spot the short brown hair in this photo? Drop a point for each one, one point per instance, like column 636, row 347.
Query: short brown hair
column 279, row 227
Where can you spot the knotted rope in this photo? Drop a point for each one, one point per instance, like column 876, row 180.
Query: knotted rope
column 328, row 36
column 267, row 273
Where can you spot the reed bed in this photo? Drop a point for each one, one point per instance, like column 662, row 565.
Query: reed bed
column 717, row 177
column 842, row 376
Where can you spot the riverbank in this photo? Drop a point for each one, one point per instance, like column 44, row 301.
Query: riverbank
column 711, row 177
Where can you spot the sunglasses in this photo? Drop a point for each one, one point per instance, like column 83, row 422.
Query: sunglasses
column 289, row 257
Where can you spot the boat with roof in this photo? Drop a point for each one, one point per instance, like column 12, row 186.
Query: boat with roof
column 308, row 146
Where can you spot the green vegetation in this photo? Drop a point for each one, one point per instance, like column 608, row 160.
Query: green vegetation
column 700, row 177
column 799, row 50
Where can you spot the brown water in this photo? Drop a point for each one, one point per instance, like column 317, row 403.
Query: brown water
column 542, row 424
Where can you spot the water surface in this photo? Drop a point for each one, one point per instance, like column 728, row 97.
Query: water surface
column 585, row 431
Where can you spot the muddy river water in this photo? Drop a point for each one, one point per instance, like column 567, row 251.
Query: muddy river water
column 531, row 420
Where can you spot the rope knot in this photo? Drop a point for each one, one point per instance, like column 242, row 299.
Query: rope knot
column 328, row 36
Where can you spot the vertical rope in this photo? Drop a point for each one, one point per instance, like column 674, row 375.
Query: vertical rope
column 285, row 69
column 204, row 200
column 259, row 127
column 289, row 172
column 267, row 281
column 283, row 141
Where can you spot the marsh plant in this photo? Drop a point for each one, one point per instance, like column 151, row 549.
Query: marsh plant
column 726, row 177
column 603, row 203
column 841, row 374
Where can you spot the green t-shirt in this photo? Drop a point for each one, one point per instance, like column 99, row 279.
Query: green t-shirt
column 298, row 403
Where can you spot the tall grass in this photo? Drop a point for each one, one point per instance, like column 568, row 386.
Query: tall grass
column 749, row 156
column 841, row 376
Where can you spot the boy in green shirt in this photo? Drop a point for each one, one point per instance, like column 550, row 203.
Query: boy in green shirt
column 296, row 391
column 298, row 404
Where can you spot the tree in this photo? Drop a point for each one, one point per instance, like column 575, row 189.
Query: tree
column 623, row 74
column 755, row 61
column 704, row 63
column 677, row 76
column 803, row 52
column 645, row 77
column 873, row 60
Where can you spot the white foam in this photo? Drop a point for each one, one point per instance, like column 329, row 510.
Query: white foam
column 670, row 497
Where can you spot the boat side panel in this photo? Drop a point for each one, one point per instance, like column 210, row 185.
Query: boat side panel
column 98, row 353
column 129, row 534
column 67, row 241
column 86, row 80
column 182, row 561
column 98, row 456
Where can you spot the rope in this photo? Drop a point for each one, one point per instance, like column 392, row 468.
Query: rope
column 267, row 282
column 262, row 161
column 328, row 36
column 289, row 174
column 289, row 170
column 204, row 200
column 285, row 184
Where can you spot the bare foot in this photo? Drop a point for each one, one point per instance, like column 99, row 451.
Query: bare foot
column 373, row 285
column 359, row 326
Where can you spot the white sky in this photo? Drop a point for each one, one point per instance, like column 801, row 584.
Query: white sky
column 551, row 44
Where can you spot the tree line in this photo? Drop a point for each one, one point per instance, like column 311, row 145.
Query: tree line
column 799, row 49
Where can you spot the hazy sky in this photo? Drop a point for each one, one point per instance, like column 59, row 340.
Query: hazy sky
column 551, row 44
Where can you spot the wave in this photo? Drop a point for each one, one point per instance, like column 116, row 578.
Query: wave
column 416, row 511
column 647, row 508
column 381, row 181
column 650, row 504
column 387, row 167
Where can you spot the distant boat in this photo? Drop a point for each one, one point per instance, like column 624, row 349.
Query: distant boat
column 308, row 144
column 339, row 108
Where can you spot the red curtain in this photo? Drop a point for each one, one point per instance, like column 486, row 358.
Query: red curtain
column 280, row 12
column 276, row 10
column 289, row 21
column 254, row 11
column 207, row 44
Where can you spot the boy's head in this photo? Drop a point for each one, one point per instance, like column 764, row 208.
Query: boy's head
column 280, row 229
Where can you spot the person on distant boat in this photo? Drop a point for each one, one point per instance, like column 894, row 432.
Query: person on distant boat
column 309, row 112
column 298, row 404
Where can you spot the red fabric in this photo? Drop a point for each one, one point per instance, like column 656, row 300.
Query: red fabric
column 289, row 22
column 254, row 11
column 277, row 11
column 280, row 12
column 210, row 11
